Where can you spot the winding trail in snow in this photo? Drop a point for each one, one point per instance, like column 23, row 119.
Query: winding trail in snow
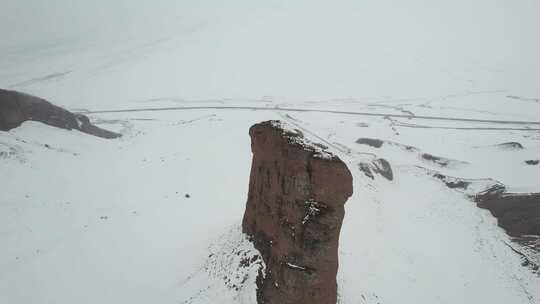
column 376, row 114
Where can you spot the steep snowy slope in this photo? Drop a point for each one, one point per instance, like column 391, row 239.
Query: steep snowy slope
column 154, row 216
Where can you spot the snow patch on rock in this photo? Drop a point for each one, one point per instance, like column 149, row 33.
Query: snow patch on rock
column 297, row 137
column 232, row 265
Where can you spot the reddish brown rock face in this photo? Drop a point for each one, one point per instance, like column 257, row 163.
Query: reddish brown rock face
column 294, row 212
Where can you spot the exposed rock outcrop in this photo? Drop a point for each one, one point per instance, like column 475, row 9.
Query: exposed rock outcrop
column 519, row 215
column 378, row 143
column 294, row 212
column 16, row 108
column 512, row 145
column 373, row 142
column 452, row 182
column 442, row 161
column 378, row 166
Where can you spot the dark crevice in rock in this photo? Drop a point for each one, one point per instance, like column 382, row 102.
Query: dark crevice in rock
column 16, row 108
column 532, row 162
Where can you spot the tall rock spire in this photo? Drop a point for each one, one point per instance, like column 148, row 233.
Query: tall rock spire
column 294, row 212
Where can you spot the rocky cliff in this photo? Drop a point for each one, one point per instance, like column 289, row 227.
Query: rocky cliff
column 16, row 108
column 294, row 212
column 519, row 215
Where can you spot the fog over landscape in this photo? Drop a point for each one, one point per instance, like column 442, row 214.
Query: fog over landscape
column 131, row 185
column 251, row 49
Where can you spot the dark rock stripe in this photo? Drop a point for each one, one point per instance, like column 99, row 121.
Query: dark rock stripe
column 16, row 108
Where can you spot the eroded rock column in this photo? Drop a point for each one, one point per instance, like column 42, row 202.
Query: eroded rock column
column 294, row 212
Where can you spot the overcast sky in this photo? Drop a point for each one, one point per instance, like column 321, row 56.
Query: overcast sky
column 24, row 21
column 31, row 21
column 252, row 48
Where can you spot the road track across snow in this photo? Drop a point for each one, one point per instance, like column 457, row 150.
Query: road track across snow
column 377, row 114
